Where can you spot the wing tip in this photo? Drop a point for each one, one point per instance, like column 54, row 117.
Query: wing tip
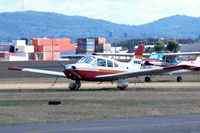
column 15, row 68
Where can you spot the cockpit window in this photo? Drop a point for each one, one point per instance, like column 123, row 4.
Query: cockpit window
column 109, row 63
column 116, row 65
column 86, row 59
column 101, row 62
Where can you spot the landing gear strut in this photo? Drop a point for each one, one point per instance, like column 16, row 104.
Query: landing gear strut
column 75, row 86
column 147, row 79
column 179, row 79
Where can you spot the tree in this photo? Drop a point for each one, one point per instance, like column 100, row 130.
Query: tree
column 173, row 46
column 159, row 46
column 148, row 50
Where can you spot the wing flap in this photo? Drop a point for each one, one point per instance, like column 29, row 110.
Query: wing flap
column 142, row 72
column 45, row 72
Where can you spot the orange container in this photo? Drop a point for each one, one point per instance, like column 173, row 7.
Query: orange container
column 47, row 48
column 65, row 47
column 51, row 56
column 6, row 54
column 98, row 40
column 48, row 42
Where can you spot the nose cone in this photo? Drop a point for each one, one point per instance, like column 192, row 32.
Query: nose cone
column 70, row 67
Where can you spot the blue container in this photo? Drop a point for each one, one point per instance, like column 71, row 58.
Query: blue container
column 69, row 52
column 85, row 40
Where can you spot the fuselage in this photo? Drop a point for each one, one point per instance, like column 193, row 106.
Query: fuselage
column 91, row 66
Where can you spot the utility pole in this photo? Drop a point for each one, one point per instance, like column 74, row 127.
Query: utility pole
column 52, row 49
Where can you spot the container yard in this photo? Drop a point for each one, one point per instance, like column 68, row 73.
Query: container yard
column 50, row 49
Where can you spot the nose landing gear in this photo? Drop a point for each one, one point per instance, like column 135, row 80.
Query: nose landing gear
column 75, row 86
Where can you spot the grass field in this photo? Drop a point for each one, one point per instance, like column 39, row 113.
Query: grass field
column 30, row 105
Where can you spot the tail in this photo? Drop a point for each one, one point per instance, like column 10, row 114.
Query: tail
column 137, row 58
column 197, row 60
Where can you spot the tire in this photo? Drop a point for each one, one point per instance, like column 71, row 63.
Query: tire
column 122, row 89
column 148, row 79
column 179, row 79
column 74, row 87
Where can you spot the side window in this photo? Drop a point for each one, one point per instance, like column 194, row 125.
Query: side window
column 101, row 62
column 116, row 65
column 109, row 63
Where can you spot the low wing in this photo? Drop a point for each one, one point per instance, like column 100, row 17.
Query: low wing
column 147, row 54
column 46, row 72
column 120, row 54
column 182, row 54
column 142, row 72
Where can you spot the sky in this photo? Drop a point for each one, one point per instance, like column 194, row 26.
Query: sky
column 131, row 12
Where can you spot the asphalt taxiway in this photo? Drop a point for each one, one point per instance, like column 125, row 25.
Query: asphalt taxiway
column 172, row 124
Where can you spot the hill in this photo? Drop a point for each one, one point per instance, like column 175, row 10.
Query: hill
column 15, row 25
column 177, row 26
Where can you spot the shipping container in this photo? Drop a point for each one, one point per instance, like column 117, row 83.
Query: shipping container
column 51, row 55
column 24, row 49
column 49, row 42
column 5, row 47
column 6, row 54
column 107, row 47
column 16, row 58
column 65, row 47
column 44, row 48
column 85, row 41
column 69, row 52
column 99, row 40
column 37, row 56
column 28, row 41
column 18, row 42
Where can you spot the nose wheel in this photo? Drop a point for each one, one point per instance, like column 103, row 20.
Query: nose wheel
column 75, row 86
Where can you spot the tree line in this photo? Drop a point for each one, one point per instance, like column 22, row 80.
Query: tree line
column 160, row 44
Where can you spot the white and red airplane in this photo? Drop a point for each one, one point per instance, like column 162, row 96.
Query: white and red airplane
column 97, row 68
column 169, row 59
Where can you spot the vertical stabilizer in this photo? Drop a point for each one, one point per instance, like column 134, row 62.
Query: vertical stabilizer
column 197, row 60
column 137, row 58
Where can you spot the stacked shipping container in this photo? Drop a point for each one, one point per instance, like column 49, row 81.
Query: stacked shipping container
column 92, row 44
column 22, row 51
column 50, row 49
column 85, row 46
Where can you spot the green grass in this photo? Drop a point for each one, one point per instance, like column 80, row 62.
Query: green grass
column 99, row 101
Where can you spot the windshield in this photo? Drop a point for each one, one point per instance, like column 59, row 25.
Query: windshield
column 86, row 59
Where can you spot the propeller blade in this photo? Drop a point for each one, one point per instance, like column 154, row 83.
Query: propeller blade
column 59, row 62
column 78, row 76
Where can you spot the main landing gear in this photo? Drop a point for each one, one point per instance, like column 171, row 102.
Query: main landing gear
column 147, row 79
column 179, row 79
column 75, row 86
column 122, row 85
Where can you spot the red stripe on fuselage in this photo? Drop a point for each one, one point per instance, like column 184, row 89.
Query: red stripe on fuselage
column 87, row 75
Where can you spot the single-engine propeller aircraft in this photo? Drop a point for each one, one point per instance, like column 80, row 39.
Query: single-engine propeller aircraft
column 169, row 59
column 98, row 68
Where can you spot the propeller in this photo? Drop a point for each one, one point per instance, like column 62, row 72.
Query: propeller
column 69, row 68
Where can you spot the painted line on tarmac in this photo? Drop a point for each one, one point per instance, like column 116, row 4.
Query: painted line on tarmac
column 116, row 126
